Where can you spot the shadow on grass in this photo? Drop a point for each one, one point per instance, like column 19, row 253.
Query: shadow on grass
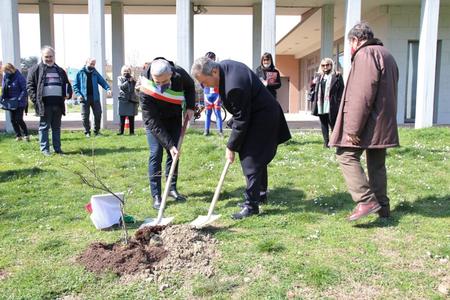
column 11, row 174
column 431, row 206
column 104, row 151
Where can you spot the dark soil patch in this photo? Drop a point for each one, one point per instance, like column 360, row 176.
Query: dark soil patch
column 157, row 251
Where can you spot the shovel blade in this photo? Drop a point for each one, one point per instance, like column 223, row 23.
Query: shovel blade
column 152, row 222
column 202, row 221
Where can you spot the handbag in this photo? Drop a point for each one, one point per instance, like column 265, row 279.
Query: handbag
column 9, row 104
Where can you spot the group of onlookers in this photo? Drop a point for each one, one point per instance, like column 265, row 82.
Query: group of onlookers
column 365, row 119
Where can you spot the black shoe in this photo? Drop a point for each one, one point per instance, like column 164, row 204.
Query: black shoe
column 177, row 196
column 385, row 211
column 156, row 202
column 206, row 133
column 262, row 200
column 60, row 152
column 246, row 211
column 97, row 133
column 120, row 133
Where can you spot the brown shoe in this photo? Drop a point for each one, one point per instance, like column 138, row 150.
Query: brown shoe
column 385, row 211
column 364, row 209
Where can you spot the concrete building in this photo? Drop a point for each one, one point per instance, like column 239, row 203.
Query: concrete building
column 424, row 90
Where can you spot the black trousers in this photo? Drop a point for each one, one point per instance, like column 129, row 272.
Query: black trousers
column 17, row 122
column 122, row 124
column 325, row 125
column 256, row 183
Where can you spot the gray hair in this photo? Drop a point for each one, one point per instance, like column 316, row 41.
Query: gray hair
column 360, row 31
column 125, row 68
column 203, row 65
column 160, row 67
column 49, row 48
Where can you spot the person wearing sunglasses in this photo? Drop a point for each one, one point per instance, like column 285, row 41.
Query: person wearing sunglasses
column 326, row 91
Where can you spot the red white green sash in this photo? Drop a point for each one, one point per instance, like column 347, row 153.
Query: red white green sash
column 148, row 87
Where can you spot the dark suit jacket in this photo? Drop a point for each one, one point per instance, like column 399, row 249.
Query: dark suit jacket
column 258, row 123
column 159, row 116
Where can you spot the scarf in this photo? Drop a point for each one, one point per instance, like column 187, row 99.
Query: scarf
column 323, row 106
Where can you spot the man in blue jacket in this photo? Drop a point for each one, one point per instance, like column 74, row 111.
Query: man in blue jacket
column 86, row 90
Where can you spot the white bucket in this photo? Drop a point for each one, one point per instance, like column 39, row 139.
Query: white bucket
column 105, row 210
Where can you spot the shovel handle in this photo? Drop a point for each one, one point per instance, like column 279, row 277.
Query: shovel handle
column 171, row 172
column 218, row 188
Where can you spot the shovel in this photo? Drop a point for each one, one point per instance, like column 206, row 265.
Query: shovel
column 202, row 221
column 160, row 220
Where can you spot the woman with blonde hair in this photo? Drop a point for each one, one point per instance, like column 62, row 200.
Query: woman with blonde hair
column 14, row 87
column 128, row 102
column 326, row 92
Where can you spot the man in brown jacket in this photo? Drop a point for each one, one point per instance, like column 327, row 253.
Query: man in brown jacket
column 367, row 122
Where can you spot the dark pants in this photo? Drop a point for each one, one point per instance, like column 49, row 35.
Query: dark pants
column 122, row 123
column 51, row 119
column 155, row 159
column 256, row 183
column 325, row 124
column 18, row 122
column 85, row 112
column 361, row 188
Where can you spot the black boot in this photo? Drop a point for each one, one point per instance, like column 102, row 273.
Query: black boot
column 385, row 211
column 246, row 211
column 177, row 196
column 156, row 202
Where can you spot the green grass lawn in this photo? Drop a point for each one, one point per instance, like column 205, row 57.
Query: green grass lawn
column 300, row 247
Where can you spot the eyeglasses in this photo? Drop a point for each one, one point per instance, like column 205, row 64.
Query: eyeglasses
column 325, row 65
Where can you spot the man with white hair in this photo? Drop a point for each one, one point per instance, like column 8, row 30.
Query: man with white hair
column 48, row 87
column 86, row 88
column 258, row 123
column 165, row 89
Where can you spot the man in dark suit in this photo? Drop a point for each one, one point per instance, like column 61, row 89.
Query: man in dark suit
column 258, row 123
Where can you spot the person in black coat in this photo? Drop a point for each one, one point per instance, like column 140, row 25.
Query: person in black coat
column 268, row 75
column 162, row 117
column 258, row 124
column 325, row 93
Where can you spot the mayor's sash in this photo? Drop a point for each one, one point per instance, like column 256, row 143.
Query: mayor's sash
column 148, row 87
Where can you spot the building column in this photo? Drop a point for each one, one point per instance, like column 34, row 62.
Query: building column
column 118, row 52
column 352, row 16
column 185, row 34
column 327, row 31
column 9, row 22
column 268, row 39
column 46, row 23
column 97, row 44
column 426, row 67
column 256, row 35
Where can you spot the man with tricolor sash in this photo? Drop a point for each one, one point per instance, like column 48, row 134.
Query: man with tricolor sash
column 167, row 94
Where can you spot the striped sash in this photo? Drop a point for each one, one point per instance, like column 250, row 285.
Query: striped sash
column 148, row 87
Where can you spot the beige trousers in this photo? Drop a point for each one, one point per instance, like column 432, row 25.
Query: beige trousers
column 361, row 188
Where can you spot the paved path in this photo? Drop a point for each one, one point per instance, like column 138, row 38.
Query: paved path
column 72, row 121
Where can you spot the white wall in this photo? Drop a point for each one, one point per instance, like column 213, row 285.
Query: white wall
column 404, row 26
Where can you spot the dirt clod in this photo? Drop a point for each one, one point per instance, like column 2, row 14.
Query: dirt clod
column 154, row 252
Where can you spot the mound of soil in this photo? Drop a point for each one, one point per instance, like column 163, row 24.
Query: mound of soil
column 157, row 251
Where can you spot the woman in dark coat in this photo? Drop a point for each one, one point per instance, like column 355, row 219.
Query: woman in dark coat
column 268, row 75
column 325, row 94
column 15, row 86
column 258, row 123
column 128, row 102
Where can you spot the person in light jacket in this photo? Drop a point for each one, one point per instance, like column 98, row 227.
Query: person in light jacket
column 86, row 89
column 128, row 102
